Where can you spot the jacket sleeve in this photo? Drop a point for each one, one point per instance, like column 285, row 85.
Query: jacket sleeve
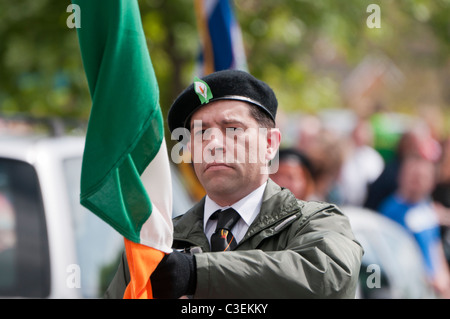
column 321, row 260
column 116, row 288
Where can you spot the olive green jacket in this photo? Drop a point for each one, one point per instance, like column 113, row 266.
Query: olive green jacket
column 293, row 249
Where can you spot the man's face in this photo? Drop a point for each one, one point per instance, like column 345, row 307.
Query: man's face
column 229, row 150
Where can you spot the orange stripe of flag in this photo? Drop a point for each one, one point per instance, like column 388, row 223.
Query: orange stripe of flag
column 142, row 261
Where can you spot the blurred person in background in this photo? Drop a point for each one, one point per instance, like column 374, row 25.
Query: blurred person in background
column 441, row 196
column 309, row 128
column 362, row 165
column 415, row 141
column 294, row 173
column 412, row 207
column 325, row 152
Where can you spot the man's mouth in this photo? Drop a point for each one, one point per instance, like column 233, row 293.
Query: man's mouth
column 216, row 166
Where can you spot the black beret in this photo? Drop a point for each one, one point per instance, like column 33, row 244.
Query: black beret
column 221, row 85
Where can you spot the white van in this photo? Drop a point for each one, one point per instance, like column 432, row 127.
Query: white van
column 50, row 245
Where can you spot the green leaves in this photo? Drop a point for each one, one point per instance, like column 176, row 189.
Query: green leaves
column 305, row 49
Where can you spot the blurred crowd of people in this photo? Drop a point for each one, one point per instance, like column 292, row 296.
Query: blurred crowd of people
column 410, row 185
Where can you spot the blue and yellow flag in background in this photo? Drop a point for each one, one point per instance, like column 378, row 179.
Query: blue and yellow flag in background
column 221, row 38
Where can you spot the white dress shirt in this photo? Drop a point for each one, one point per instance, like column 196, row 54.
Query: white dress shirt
column 248, row 208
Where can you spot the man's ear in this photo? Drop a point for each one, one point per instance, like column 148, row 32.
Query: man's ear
column 273, row 143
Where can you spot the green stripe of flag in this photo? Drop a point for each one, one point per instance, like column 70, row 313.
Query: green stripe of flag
column 125, row 129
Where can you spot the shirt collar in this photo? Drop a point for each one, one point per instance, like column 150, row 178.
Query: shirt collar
column 248, row 207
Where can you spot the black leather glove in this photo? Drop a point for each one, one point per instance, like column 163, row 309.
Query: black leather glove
column 175, row 276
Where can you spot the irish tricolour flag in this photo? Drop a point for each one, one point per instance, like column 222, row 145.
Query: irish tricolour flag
column 125, row 177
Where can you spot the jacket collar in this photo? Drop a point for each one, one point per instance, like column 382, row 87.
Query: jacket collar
column 278, row 203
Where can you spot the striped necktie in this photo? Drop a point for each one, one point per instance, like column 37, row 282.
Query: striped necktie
column 223, row 239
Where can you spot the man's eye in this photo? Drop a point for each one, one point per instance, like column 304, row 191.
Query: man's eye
column 200, row 132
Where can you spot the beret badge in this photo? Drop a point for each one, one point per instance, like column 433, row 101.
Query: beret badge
column 203, row 91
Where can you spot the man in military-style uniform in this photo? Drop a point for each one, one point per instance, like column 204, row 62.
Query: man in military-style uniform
column 248, row 237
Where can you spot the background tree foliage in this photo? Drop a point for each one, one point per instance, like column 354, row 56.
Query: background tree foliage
column 308, row 50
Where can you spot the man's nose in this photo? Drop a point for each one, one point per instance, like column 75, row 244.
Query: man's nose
column 215, row 145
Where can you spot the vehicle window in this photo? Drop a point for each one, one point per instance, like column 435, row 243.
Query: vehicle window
column 24, row 253
column 98, row 245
